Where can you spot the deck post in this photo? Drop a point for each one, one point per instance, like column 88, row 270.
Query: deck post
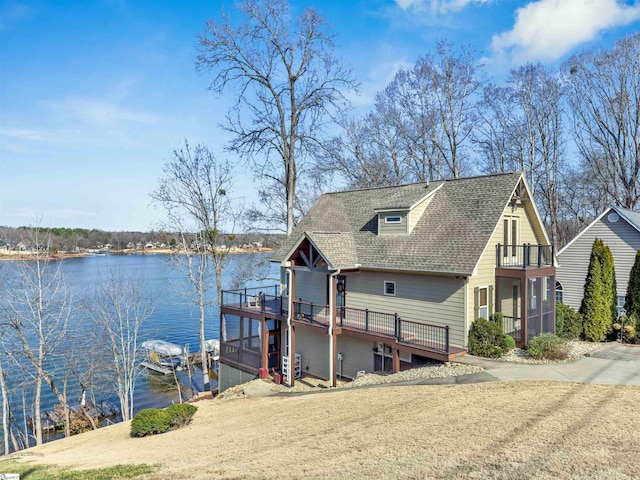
column 366, row 320
column 539, row 255
column 265, row 344
column 396, row 360
column 311, row 312
column 446, row 333
column 498, row 255
column 398, row 331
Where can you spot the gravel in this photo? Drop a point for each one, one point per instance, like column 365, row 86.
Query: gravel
column 575, row 350
column 435, row 370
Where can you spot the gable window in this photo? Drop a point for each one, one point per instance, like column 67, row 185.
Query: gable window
column 390, row 288
column 483, row 303
column 510, row 225
column 394, row 219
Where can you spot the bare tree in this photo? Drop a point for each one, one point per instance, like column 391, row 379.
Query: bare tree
column 288, row 84
column 119, row 307
column 604, row 96
column 38, row 306
column 522, row 129
column 194, row 192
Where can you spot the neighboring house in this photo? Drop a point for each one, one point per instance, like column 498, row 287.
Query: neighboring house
column 388, row 278
column 619, row 229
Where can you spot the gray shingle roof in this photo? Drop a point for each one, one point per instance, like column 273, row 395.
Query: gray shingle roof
column 449, row 237
column 630, row 216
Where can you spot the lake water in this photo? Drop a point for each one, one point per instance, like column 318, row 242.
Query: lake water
column 174, row 319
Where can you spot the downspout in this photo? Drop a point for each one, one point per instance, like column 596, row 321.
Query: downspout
column 292, row 369
column 332, row 320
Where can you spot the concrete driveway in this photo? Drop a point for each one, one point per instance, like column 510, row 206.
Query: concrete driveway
column 612, row 364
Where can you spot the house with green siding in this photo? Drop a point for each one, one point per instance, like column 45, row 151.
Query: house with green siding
column 384, row 279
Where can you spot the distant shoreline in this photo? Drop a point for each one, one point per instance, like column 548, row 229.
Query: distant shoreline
column 29, row 255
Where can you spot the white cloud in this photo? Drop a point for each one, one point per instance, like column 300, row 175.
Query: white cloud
column 546, row 30
column 99, row 112
column 437, row 6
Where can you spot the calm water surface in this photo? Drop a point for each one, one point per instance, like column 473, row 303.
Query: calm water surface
column 174, row 318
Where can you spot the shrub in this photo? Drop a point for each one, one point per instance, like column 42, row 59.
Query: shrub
column 559, row 320
column 572, row 322
column 151, row 421
column 154, row 420
column 497, row 318
column 509, row 342
column 181, row 414
column 487, row 340
column 547, row 346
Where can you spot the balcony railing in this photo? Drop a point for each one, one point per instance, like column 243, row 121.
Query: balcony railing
column 525, row 256
column 261, row 299
column 434, row 337
column 310, row 312
column 512, row 326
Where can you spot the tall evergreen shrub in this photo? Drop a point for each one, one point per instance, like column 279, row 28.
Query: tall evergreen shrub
column 632, row 299
column 609, row 273
column 595, row 308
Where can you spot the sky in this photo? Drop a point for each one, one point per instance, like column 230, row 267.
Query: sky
column 95, row 95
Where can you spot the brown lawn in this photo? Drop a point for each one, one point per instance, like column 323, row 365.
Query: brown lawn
column 517, row 430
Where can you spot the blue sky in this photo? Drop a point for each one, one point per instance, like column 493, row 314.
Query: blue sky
column 95, row 95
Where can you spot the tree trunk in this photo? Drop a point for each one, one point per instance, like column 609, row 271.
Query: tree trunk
column 37, row 420
column 5, row 411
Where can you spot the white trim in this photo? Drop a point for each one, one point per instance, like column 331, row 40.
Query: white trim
column 607, row 210
column 399, row 217
column 430, row 194
column 384, row 288
column 585, row 230
column 391, row 210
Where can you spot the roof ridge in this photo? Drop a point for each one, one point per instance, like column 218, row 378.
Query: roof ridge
column 382, row 187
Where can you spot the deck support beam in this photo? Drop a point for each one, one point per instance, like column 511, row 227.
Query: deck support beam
column 396, row 360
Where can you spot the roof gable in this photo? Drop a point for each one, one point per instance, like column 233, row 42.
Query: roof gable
column 629, row 216
column 449, row 237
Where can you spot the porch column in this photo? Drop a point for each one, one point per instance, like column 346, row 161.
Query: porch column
column 265, row 344
column 396, row 360
column 333, row 341
column 524, row 308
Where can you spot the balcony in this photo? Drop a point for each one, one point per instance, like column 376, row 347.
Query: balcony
column 525, row 256
column 429, row 340
column 259, row 300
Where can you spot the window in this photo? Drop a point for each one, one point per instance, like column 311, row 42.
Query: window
column 394, row 219
column 510, row 236
column 620, row 304
column 390, row 288
column 559, row 293
column 483, row 303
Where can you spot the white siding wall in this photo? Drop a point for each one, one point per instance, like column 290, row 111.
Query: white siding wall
column 620, row 237
column 313, row 346
column 419, row 298
column 357, row 354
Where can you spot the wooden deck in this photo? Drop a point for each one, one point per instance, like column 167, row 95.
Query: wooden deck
column 430, row 341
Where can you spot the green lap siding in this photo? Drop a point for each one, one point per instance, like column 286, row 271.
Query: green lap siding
column 435, row 300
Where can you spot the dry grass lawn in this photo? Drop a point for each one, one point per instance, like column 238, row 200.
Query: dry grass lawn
column 517, row 430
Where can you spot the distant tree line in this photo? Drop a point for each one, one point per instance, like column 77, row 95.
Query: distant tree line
column 63, row 239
